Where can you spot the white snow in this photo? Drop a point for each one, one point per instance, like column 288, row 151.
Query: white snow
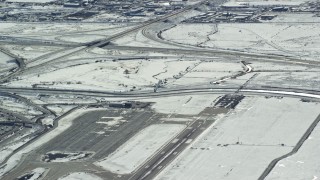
column 63, row 125
column 29, row 1
column 71, row 156
column 7, row 150
column 37, row 173
column 271, row 38
column 260, row 125
column 139, row 148
column 300, row 80
column 295, row 18
column 107, row 75
column 111, row 121
column 233, row 3
column 6, row 61
column 80, row 176
column 283, row 92
column 190, row 105
column 302, row 165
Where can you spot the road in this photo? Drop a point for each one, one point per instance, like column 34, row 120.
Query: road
column 83, row 136
column 209, row 52
column 263, row 90
column 98, row 43
column 160, row 160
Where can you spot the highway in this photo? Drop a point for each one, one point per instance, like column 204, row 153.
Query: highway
column 98, row 43
column 264, row 90
column 80, row 135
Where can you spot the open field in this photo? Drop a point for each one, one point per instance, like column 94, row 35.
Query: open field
column 168, row 90
column 243, row 143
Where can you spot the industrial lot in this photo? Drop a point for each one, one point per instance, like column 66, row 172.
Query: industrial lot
column 159, row 89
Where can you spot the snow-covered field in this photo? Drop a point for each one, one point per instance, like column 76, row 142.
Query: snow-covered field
column 47, row 29
column 61, row 33
column 35, row 174
column 287, row 79
column 243, row 143
column 6, row 61
column 80, row 176
column 302, row 165
column 108, row 75
column 294, row 18
column 31, row 1
column 63, row 125
column 139, row 148
column 251, row 37
column 236, row 3
column 18, row 106
column 190, row 105
column 30, row 52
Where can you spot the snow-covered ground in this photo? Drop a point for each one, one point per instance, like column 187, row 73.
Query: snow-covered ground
column 29, row 52
column 299, row 80
column 67, row 156
column 302, row 165
column 113, row 17
column 80, row 176
column 63, row 125
column 17, row 140
column 18, row 106
column 61, row 33
column 60, row 109
column 6, row 150
column 31, row 1
column 111, row 121
column 49, row 29
column 107, row 75
column 243, row 143
column 6, row 61
column 139, row 148
column 294, row 18
column 35, row 174
column 233, row 3
column 252, row 37
column 191, row 105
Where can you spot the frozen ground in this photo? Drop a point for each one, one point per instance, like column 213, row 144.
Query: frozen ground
column 243, row 143
column 294, row 18
column 232, row 3
column 111, row 121
column 107, row 75
column 63, row 125
column 50, row 29
column 6, row 61
column 18, row 106
column 252, row 37
column 80, row 176
column 104, row 16
column 6, row 150
column 31, row 1
column 139, row 148
column 29, row 52
column 302, row 165
column 190, row 105
column 35, row 174
column 58, row 33
column 287, row 79
column 57, row 156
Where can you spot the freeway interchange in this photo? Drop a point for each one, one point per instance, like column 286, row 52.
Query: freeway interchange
column 83, row 131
